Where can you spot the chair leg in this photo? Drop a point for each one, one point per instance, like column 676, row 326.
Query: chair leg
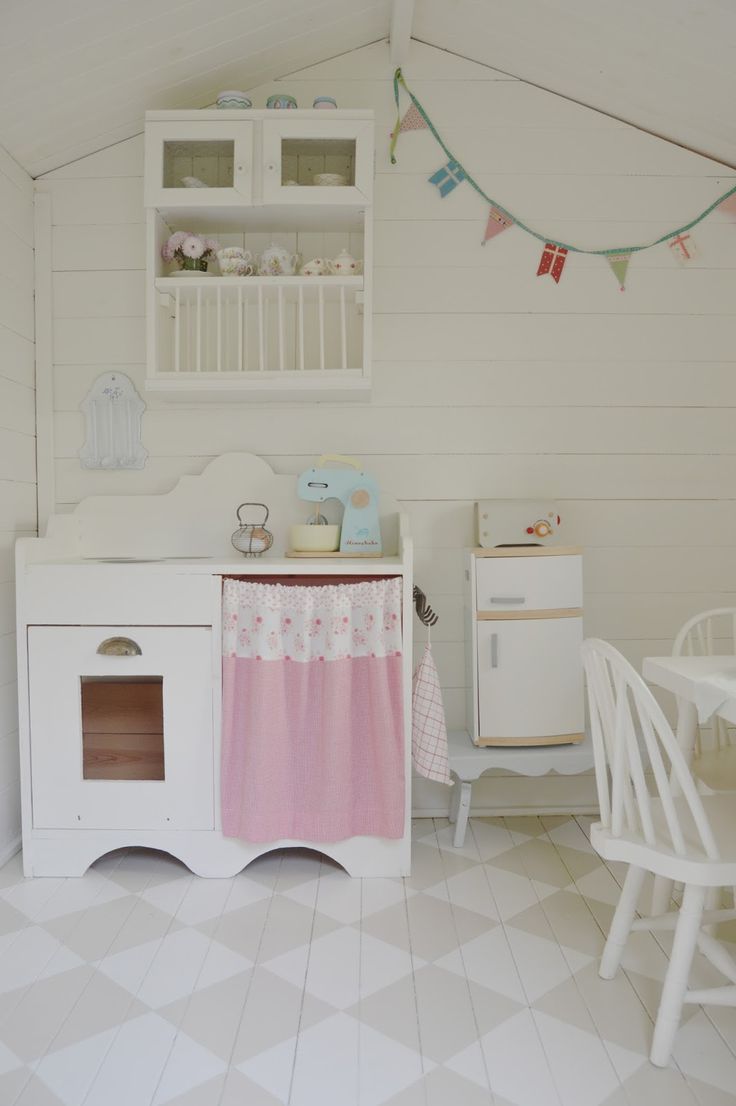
column 621, row 924
column 713, row 901
column 676, row 980
column 661, row 895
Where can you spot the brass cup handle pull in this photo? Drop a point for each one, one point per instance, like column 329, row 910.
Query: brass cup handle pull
column 119, row 647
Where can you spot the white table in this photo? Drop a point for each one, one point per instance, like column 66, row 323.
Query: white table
column 684, row 677
column 468, row 762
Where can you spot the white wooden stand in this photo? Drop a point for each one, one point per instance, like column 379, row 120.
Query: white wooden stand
column 149, row 569
column 468, row 762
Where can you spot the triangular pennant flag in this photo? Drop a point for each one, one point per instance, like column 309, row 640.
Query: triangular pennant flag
column 497, row 221
column 448, row 177
column 683, row 248
column 552, row 261
column 413, row 120
column 728, row 205
column 619, row 263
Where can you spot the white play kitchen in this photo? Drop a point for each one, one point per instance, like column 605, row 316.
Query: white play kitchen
column 121, row 667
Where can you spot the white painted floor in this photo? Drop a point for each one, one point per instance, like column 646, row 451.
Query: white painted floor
column 473, row 982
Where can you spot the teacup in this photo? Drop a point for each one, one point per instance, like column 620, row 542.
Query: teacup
column 316, row 267
column 329, row 180
column 235, row 261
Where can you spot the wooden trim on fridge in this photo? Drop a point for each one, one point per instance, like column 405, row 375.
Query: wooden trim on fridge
column 530, row 551
column 520, row 742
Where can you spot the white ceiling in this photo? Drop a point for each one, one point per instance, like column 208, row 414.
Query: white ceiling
column 77, row 75
column 666, row 66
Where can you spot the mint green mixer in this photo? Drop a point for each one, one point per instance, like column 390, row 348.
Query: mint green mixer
column 356, row 490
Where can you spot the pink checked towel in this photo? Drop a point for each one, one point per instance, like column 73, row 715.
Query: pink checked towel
column 313, row 735
column 429, row 732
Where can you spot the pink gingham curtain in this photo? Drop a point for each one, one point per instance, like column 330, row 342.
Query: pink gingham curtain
column 313, row 729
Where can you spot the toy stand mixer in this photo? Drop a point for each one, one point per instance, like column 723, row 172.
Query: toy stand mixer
column 357, row 491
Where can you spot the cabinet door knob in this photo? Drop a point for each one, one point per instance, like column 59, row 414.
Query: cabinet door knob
column 494, row 650
column 508, row 599
column 119, row 647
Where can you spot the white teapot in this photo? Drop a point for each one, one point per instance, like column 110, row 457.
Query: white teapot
column 276, row 261
column 344, row 264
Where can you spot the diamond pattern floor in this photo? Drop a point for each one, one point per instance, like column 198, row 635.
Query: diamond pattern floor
column 473, row 982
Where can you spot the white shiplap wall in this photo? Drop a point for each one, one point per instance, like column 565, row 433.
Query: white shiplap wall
column 17, row 457
column 489, row 381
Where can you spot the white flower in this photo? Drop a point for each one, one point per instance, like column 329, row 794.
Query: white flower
column 192, row 246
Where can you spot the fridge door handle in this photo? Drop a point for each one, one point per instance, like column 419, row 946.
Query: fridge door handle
column 494, row 650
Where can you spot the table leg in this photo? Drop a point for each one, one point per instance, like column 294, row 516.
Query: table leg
column 463, row 810
column 686, row 733
column 687, row 728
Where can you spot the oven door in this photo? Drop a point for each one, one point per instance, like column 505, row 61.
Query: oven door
column 121, row 727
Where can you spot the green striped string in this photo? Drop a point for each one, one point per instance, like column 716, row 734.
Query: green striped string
column 399, row 81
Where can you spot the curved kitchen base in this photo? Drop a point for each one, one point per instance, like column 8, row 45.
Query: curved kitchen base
column 69, row 853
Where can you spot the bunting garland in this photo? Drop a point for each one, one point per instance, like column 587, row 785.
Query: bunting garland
column 552, row 261
column 498, row 220
column 728, row 205
column 448, row 177
column 554, row 255
column 619, row 263
column 683, row 248
column 412, row 121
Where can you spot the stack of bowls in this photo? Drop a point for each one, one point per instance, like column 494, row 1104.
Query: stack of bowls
column 281, row 100
column 233, row 99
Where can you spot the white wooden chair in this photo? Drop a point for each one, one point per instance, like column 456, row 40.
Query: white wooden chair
column 705, row 635
column 682, row 836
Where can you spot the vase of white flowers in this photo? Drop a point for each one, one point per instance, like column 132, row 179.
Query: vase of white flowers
column 190, row 251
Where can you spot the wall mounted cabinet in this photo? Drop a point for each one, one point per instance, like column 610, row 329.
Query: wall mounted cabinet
column 249, row 179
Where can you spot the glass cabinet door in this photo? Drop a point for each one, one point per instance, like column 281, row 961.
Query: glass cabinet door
column 198, row 164
column 319, row 161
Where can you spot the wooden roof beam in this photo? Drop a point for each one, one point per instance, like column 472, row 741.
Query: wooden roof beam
column 402, row 17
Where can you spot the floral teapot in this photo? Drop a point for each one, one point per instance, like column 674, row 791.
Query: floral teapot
column 276, row 261
column 344, row 264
